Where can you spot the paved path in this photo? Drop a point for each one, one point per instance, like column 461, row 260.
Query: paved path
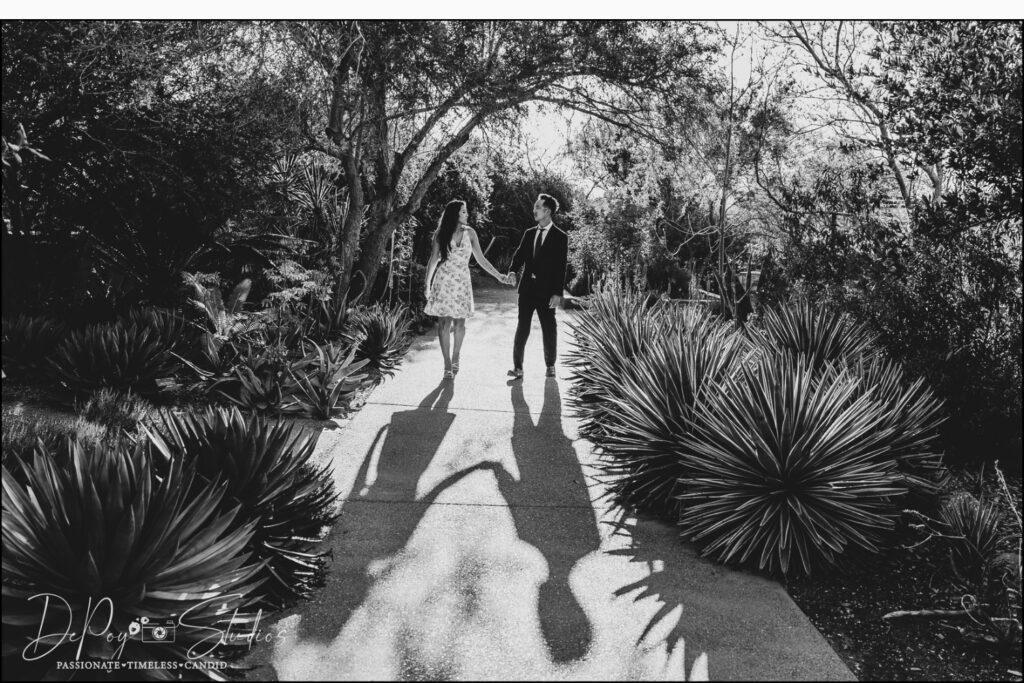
column 472, row 545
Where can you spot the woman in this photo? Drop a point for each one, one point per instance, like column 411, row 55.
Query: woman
column 449, row 288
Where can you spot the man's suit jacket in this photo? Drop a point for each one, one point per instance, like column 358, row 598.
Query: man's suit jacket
column 544, row 273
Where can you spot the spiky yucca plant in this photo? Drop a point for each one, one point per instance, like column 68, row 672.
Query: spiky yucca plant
column 784, row 469
column 269, row 473
column 103, row 525
column 913, row 415
column 327, row 379
column 823, row 334
column 112, row 355
column 381, row 336
column 658, row 391
column 27, row 343
column 608, row 334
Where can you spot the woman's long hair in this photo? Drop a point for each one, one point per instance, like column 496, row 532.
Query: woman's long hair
column 446, row 227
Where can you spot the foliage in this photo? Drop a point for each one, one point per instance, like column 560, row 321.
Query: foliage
column 223, row 319
column 821, row 334
column 973, row 534
column 269, row 475
column 327, row 380
column 112, row 355
column 170, row 326
column 261, row 381
column 784, row 469
column 609, row 333
column 658, row 390
column 27, row 343
column 24, row 428
column 462, row 76
column 381, row 336
column 162, row 129
column 115, row 410
column 163, row 548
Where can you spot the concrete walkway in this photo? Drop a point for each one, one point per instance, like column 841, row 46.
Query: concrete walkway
column 472, row 545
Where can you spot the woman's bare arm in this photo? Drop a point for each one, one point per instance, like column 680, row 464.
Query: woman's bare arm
column 481, row 259
column 435, row 256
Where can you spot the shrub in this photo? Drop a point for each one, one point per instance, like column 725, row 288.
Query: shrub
column 913, row 415
column 973, row 534
column 269, row 475
column 783, row 469
column 831, row 341
column 115, row 410
column 381, row 337
column 607, row 335
column 155, row 547
column 27, row 343
column 824, row 335
column 326, row 380
column 261, row 381
column 654, row 405
column 112, row 355
column 23, row 429
column 176, row 333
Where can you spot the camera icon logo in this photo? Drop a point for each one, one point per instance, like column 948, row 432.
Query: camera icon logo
column 153, row 633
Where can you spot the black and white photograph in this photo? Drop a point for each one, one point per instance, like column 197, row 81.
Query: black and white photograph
column 578, row 342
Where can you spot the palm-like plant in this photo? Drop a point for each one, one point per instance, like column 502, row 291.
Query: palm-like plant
column 27, row 343
column 381, row 336
column 784, row 469
column 658, row 391
column 269, row 474
column 112, row 355
column 326, row 379
column 103, row 525
column 823, row 334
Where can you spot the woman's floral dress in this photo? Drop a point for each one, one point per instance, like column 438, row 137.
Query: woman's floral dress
column 451, row 294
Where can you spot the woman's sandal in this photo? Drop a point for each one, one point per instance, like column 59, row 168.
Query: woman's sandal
column 455, row 368
column 448, row 374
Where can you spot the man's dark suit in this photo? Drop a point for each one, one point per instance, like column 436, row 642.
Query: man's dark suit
column 543, row 277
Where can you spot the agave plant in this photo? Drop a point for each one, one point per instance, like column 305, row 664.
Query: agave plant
column 112, row 355
column 326, row 380
column 262, row 381
column 654, row 405
column 823, row 334
column 27, row 343
column 784, row 469
column 169, row 326
column 269, row 474
column 103, row 525
column 381, row 337
column 974, row 535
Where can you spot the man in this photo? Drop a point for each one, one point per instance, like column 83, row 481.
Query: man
column 544, row 251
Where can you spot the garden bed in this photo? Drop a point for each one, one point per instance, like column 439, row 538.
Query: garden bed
column 848, row 610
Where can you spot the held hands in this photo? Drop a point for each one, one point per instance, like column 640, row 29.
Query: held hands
column 510, row 279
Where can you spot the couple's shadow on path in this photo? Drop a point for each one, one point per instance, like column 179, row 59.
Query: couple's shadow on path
column 549, row 476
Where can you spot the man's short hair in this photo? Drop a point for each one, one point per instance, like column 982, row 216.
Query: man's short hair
column 550, row 202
